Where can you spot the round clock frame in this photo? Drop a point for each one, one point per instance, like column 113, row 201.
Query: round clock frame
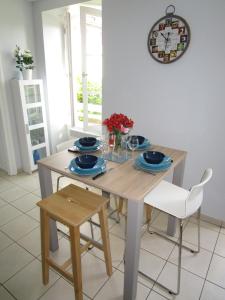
column 169, row 37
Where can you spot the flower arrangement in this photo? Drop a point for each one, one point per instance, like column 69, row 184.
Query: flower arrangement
column 24, row 60
column 119, row 124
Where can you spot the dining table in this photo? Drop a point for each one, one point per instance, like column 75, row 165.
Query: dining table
column 123, row 180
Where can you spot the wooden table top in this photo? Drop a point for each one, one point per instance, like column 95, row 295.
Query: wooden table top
column 123, row 179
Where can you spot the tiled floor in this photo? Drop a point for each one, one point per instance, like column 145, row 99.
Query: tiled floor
column 203, row 275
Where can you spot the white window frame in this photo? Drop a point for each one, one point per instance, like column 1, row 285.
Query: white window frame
column 73, row 92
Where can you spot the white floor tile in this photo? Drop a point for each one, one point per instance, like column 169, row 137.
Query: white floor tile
column 94, row 274
column 12, row 259
column 222, row 230
column 113, row 289
column 206, row 224
column 197, row 263
column 212, row 291
column 19, row 227
column 208, row 237
column 22, row 176
column 37, row 192
column 2, row 203
column 26, row 203
column 4, row 295
column 27, row 284
column 156, row 245
column 30, row 183
column 63, row 252
column 60, row 290
column 155, row 296
column 119, row 229
column 111, row 222
column 13, row 193
column 8, row 213
column 142, row 279
column 150, row 264
column 32, row 242
column 220, row 245
column 160, row 222
column 5, row 185
column 86, row 230
column 5, row 241
column 216, row 272
column 117, row 250
column 191, row 285
column 34, row 213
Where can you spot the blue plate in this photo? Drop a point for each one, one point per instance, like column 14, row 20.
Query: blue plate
column 151, row 170
column 84, row 148
column 146, row 144
column 166, row 161
column 98, row 168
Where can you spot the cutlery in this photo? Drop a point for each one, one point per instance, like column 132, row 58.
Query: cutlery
column 74, row 149
column 101, row 173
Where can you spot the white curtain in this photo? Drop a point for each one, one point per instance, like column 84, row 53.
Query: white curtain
column 7, row 152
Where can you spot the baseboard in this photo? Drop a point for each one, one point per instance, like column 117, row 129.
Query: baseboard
column 211, row 220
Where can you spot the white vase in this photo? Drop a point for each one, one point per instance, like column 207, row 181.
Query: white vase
column 27, row 74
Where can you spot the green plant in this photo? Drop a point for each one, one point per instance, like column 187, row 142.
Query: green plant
column 24, row 60
column 94, row 92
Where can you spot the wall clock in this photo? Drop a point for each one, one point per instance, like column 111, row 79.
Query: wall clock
column 169, row 37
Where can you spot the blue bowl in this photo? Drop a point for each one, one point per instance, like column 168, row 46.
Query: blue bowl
column 86, row 161
column 153, row 157
column 87, row 141
column 141, row 139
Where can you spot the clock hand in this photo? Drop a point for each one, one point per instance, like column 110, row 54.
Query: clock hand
column 167, row 39
column 163, row 36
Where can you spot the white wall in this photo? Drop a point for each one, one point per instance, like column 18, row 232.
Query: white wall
column 182, row 104
column 16, row 27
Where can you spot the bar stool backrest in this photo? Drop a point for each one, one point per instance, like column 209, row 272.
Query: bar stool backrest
column 195, row 198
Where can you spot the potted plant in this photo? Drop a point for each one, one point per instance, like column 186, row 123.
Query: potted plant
column 24, row 62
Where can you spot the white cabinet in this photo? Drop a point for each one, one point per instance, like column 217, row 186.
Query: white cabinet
column 31, row 122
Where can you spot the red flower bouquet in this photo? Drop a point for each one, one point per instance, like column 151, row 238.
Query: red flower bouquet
column 119, row 124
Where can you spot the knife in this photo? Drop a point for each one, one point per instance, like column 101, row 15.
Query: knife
column 101, row 173
column 74, row 149
column 98, row 175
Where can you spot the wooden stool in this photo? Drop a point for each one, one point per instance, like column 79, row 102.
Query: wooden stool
column 73, row 206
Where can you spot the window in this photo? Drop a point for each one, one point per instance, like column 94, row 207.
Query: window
column 86, row 61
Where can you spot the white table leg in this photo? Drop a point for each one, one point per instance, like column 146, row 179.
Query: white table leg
column 178, row 176
column 132, row 251
column 45, row 179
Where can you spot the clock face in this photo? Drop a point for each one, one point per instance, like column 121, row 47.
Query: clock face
column 168, row 39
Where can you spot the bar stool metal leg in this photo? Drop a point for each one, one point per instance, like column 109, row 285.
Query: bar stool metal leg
column 178, row 267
